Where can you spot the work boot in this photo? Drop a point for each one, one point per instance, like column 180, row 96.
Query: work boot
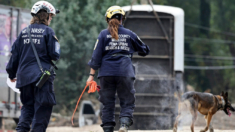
column 108, row 128
column 125, row 122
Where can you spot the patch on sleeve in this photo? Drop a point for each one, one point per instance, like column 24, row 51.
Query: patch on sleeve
column 56, row 38
column 57, row 47
column 96, row 44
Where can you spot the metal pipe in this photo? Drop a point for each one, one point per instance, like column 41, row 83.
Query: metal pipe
column 17, row 31
column 18, row 22
column 159, row 21
column 9, row 89
column 170, row 48
column 129, row 10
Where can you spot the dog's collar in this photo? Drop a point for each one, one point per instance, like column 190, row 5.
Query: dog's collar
column 223, row 102
column 220, row 106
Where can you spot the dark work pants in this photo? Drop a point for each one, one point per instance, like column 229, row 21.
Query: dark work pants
column 37, row 107
column 124, row 86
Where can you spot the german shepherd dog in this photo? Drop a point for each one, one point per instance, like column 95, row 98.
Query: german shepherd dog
column 206, row 103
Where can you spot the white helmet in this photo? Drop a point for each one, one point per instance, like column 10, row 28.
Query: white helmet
column 44, row 5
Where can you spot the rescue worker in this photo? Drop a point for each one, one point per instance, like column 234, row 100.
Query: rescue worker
column 112, row 56
column 23, row 67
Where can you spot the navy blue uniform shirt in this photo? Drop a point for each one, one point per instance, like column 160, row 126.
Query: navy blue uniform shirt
column 23, row 64
column 110, row 56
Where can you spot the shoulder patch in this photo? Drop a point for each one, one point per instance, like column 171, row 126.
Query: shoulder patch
column 57, row 47
column 56, row 38
column 96, row 44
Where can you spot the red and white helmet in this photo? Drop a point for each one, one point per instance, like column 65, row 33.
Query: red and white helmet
column 44, row 5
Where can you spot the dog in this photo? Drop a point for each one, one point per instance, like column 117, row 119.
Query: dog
column 206, row 103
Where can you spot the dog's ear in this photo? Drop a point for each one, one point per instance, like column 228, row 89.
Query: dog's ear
column 222, row 93
column 226, row 95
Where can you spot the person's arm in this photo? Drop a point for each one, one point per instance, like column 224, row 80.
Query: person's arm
column 53, row 46
column 92, row 72
column 139, row 45
column 96, row 59
column 97, row 55
column 91, row 75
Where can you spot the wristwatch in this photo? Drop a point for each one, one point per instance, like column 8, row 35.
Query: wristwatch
column 92, row 74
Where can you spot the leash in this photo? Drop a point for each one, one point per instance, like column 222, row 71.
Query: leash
column 92, row 88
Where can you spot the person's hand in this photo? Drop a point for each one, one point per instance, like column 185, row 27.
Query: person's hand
column 90, row 78
column 13, row 80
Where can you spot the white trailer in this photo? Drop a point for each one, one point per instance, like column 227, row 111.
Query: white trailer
column 159, row 75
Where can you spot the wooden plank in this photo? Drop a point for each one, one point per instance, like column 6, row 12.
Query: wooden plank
column 148, row 114
column 152, row 37
column 148, row 17
column 153, row 76
column 152, row 57
column 145, row 106
column 156, row 95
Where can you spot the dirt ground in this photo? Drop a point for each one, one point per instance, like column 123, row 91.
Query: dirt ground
column 97, row 128
column 220, row 122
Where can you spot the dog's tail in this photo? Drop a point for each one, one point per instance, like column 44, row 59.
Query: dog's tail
column 188, row 95
column 185, row 96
